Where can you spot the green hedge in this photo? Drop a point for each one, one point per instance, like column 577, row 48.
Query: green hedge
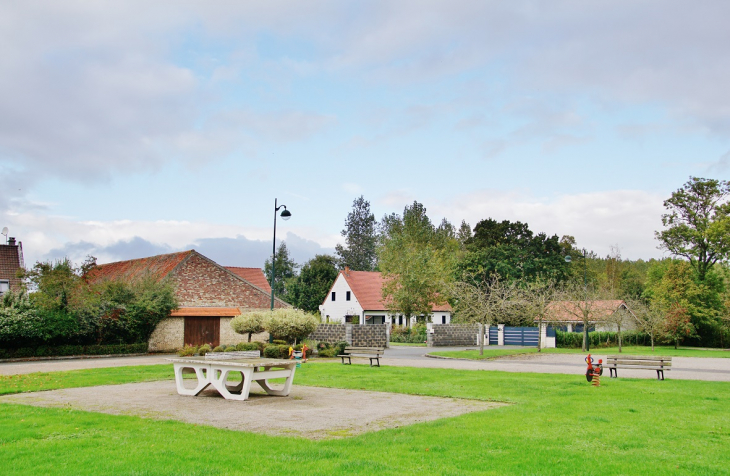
column 65, row 350
column 574, row 340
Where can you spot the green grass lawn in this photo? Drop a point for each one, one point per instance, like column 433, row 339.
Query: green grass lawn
column 557, row 424
column 491, row 352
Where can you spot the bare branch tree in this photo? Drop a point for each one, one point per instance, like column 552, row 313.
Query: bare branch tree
column 649, row 318
column 534, row 303
column 481, row 301
column 585, row 304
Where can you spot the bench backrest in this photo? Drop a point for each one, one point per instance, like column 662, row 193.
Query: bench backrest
column 644, row 360
column 365, row 349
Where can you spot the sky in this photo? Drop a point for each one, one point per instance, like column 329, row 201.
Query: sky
column 134, row 128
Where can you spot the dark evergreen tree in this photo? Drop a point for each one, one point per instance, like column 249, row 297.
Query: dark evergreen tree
column 308, row 290
column 285, row 269
column 359, row 252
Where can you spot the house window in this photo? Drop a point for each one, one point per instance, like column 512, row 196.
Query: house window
column 333, row 296
column 443, row 319
column 347, row 296
column 4, row 286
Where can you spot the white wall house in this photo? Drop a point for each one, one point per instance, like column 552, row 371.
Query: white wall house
column 356, row 296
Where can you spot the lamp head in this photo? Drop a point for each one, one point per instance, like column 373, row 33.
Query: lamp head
column 568, row 259
column 285, row 215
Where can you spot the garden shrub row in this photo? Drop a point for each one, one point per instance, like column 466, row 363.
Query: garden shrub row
column 415, row 334
column 574, row 340
column 67, row 350
column 272, row 351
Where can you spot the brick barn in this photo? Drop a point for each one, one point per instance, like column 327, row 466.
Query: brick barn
column 209, row 296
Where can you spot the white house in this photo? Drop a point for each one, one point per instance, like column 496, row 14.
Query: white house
column 356, row 296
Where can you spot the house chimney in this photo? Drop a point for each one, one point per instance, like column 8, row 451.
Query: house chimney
column 347, row 270
column 11, row 241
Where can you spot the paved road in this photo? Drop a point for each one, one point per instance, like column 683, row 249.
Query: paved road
column 687, row 368
column 682, row 367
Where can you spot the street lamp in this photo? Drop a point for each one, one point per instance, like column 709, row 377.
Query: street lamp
column 568, row 259
column 285, row 215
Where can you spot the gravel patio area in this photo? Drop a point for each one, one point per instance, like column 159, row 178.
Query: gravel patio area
column 308, row 412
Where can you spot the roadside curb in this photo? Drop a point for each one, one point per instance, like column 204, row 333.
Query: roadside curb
column 72, row 357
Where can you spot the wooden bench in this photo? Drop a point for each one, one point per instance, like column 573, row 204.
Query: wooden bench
column 372, row 353
column 650, row 362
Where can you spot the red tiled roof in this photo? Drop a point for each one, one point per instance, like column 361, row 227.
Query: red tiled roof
column 156, row 267
column 254, row 276
column 367, row 285
column 206, row 311
column 566, row 311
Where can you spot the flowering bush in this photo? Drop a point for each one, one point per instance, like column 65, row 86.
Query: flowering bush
column 290, row 324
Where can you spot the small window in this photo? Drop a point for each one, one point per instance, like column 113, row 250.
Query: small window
column 333, row 296
column 347, row 296
column 4, row 286
column 443, row 319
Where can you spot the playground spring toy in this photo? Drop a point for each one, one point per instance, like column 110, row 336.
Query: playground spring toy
column 594, row 371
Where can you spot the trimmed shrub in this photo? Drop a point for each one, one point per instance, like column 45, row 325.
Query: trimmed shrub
column 204, row 349
column 291, row 324
column 230, row 348
column 219, row 348
column 248, row 346
column 250, row 323
column 187, row 351
column 276, row 351
column 66, row 350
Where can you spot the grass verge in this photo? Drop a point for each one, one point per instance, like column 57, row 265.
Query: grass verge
column 558, row 424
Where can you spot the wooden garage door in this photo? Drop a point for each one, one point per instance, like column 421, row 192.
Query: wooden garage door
column 203, row 330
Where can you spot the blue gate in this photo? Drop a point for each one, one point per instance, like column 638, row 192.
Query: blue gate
column 525, row 336
column 493, row 336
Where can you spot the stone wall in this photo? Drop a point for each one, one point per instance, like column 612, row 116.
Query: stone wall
column 331, row 333
column 168, row 335
column 356, row 335
column 375, row 335
column 452, row 334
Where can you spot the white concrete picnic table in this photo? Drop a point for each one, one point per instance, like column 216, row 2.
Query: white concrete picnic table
column 216, row 371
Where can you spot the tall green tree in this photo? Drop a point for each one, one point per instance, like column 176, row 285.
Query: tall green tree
column 308, row 290
column 697, row 223
column 512, row 251
column 285, row 269
column 416, row 259
column 359, row 252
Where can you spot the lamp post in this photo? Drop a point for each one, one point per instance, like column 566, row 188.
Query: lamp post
column 568, row 259
column 285, row 215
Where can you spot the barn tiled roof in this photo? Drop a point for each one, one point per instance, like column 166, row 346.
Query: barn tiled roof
column 567, row 311
column 156, row 267
column 254, row 276
column 367, row 285
column 11, row 260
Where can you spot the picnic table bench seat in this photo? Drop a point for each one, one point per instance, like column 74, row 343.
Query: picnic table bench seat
column 372, row 353
column 648, row 362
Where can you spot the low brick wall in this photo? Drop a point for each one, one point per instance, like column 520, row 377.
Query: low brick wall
column 375, row 335
column 444, row 335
